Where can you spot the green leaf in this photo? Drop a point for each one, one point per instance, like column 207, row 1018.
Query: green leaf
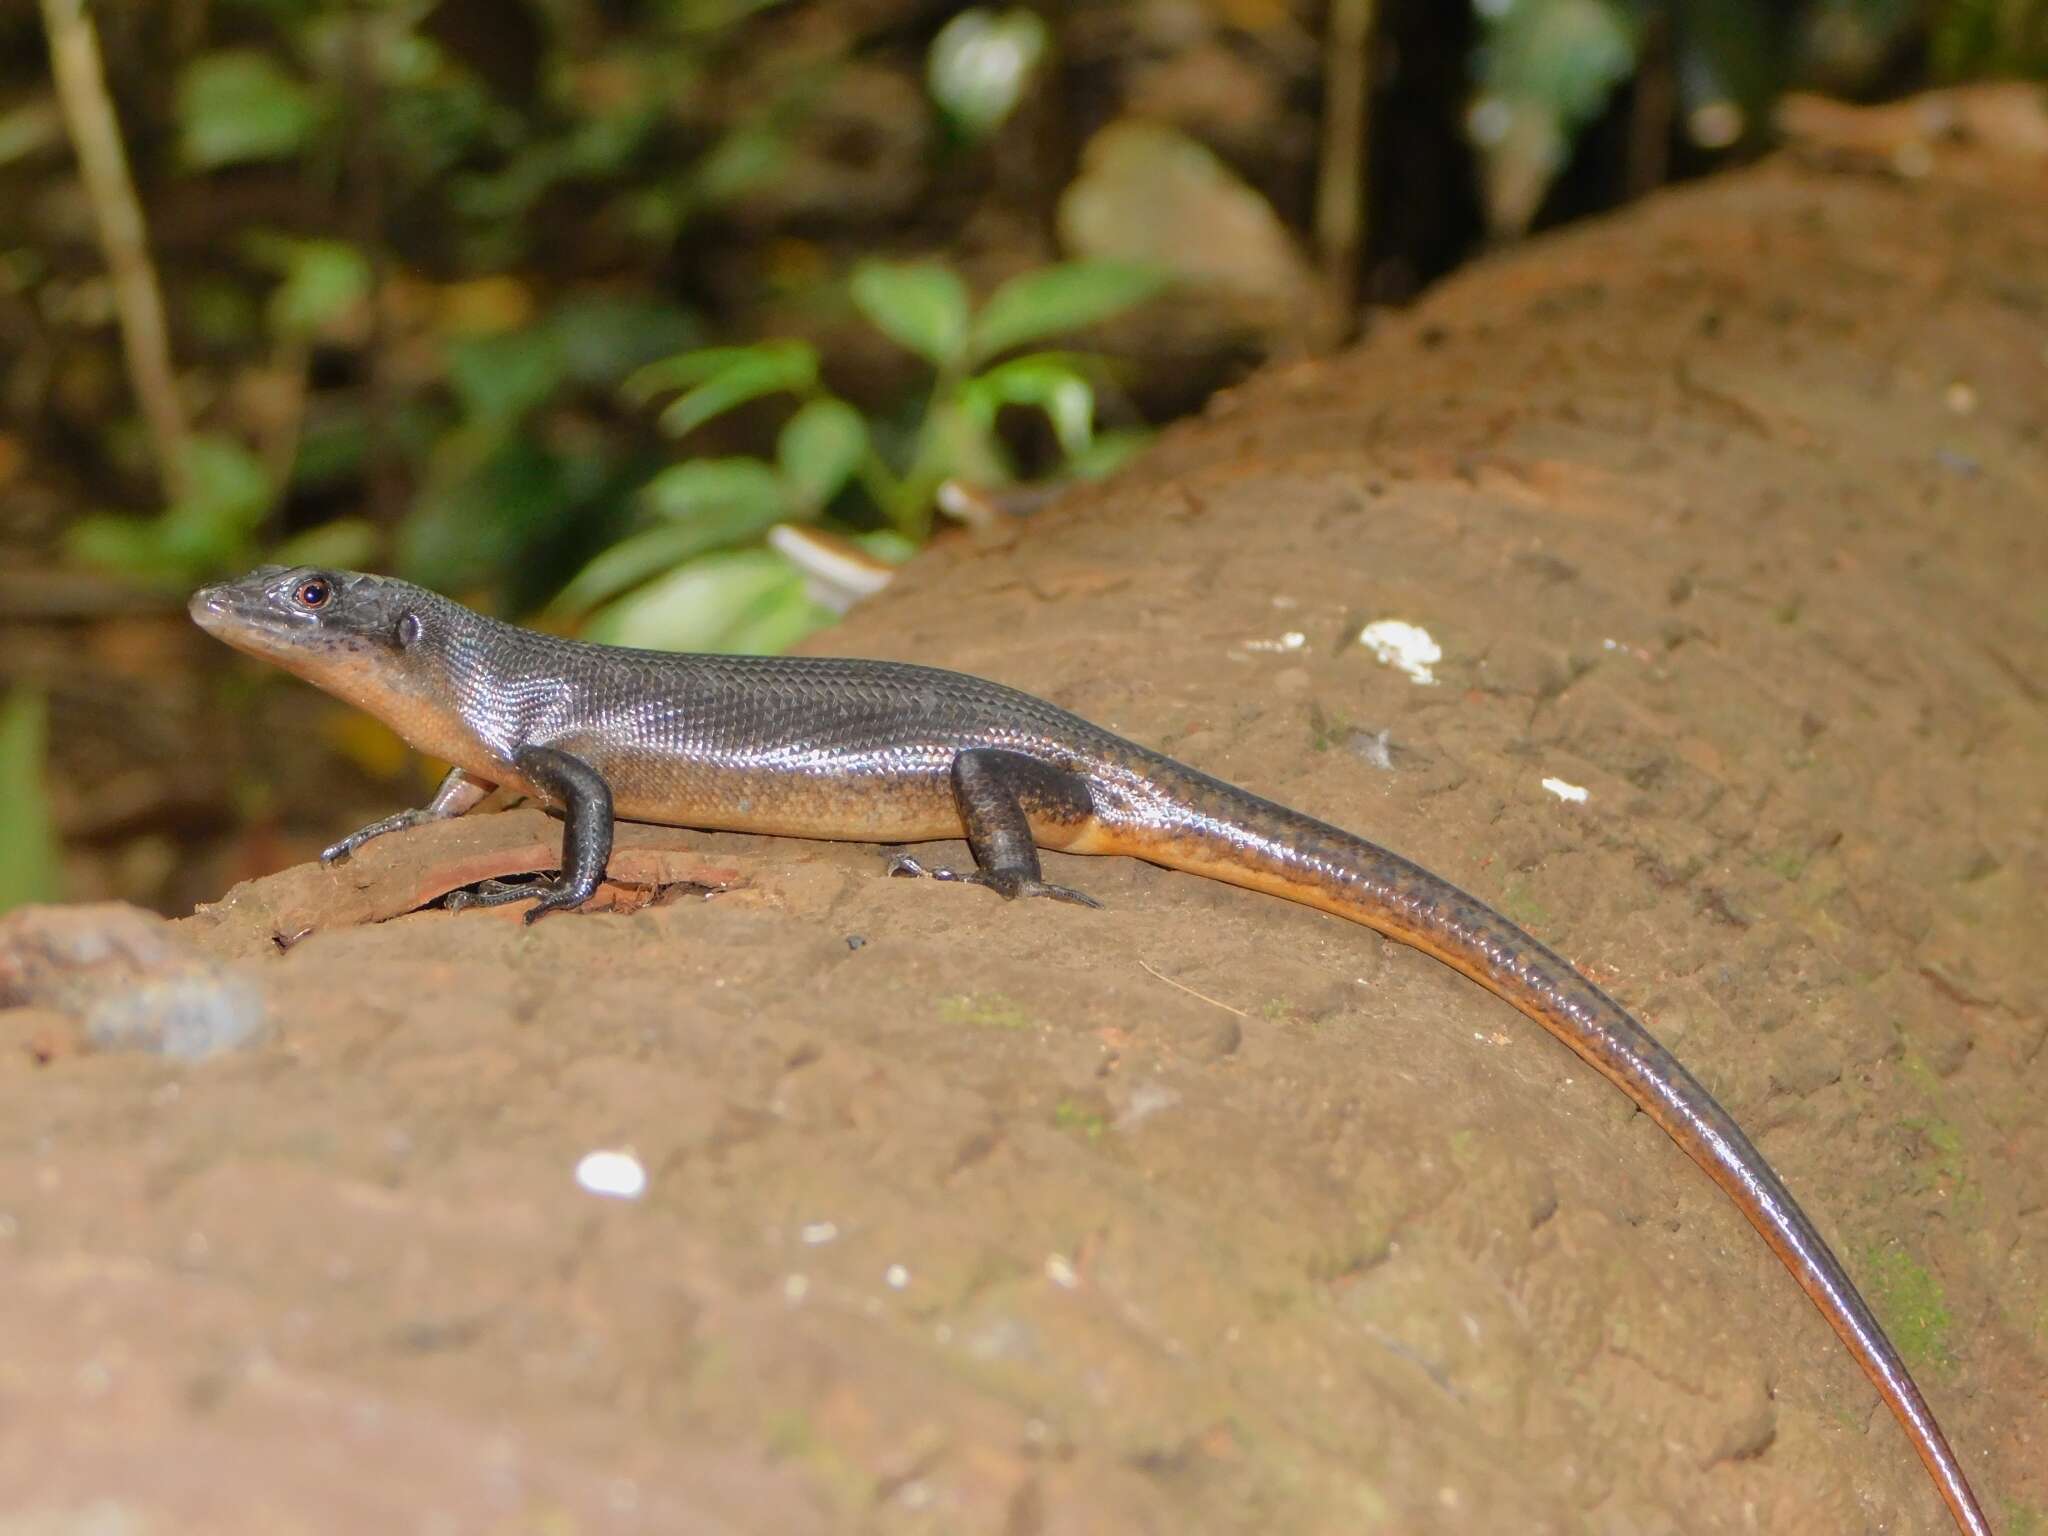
column 980, row 63
column 30, row 862
column 323, row 280
column 696, row 608
column 501, row 378
column 683, row 370
column 1043, row 380
column 749, row 155
column 226, row 479
column 1068, row 297
column 29, row 129
column 491, row 500
column 1108, row 453
column 639, row 558
column 922, row 307
column 603, row 335
column 1546, row 69
column 778, row 619
column 346, row 543
column 228, row 494
column 743, row 487
column 236, row 105
column 130, row 545
column 774, row 369
column 819, row 449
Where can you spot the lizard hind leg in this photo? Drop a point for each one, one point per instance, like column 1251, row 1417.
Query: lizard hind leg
column 998, row 794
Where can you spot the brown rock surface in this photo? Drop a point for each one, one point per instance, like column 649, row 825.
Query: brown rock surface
column 1205, row 1213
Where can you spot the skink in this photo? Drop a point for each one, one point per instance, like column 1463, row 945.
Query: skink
column 891, row 753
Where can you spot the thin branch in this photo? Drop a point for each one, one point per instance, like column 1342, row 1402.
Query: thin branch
column 364, row 176
column 1342, row 176
column 1191, row 992
column 96, row 137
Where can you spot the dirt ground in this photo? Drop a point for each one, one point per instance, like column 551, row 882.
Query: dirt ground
column 1204, row 1213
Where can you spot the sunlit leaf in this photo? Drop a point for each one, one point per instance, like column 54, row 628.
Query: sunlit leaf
column 921, row 306
column 687, row 368
column 819, row 449
column 979, row 64
column 30, row 865
column 1068, row 297
column 772, row 369
column 744, row 487
column 777, row 620
column 1045, row 381
column 647, row 554
column 237, row 105
column 696, row 607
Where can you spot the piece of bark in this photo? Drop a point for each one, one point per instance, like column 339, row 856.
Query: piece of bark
column 399, row 874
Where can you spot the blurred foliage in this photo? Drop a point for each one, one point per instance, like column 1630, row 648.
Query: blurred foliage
column 1546, row 70
column 1991, row 37
column 428, row 261
column 881, row 475
column 980, row 63
column 29, row 867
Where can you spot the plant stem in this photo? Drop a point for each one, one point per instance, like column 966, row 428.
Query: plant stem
column 1342, row 176
column 96, row 137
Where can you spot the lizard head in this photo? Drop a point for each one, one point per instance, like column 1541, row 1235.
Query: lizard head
column 295, row 615
column 378, row 643
column 348, row 633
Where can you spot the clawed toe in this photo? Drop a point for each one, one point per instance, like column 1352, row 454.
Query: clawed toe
column 1059, row 893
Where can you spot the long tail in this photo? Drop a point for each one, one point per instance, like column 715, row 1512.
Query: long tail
column 1207, row 827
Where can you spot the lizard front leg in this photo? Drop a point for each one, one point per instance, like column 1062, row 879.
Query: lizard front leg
column 459, row 792
column 586, row 802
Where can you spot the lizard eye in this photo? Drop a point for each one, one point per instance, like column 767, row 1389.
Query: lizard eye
column 313, row 592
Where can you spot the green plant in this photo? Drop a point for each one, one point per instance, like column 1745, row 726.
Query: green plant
column 687, row 579
column 1994, row 37
column 29, row 864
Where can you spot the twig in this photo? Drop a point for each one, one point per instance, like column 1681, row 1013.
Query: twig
column 1341, row 178
column 96, row 137
column 1655, row 104
column 364, row 177
column 1191, row 992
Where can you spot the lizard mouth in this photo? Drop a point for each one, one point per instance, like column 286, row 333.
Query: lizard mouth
column 247, row 614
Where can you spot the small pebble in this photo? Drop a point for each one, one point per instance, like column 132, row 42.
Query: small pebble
column 615, row 1175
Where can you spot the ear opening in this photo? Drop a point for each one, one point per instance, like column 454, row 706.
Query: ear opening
column 408, row 631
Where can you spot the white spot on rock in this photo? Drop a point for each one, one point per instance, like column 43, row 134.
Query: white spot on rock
column 1574, row 793
column 616, row 1175
column 1410, row 647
